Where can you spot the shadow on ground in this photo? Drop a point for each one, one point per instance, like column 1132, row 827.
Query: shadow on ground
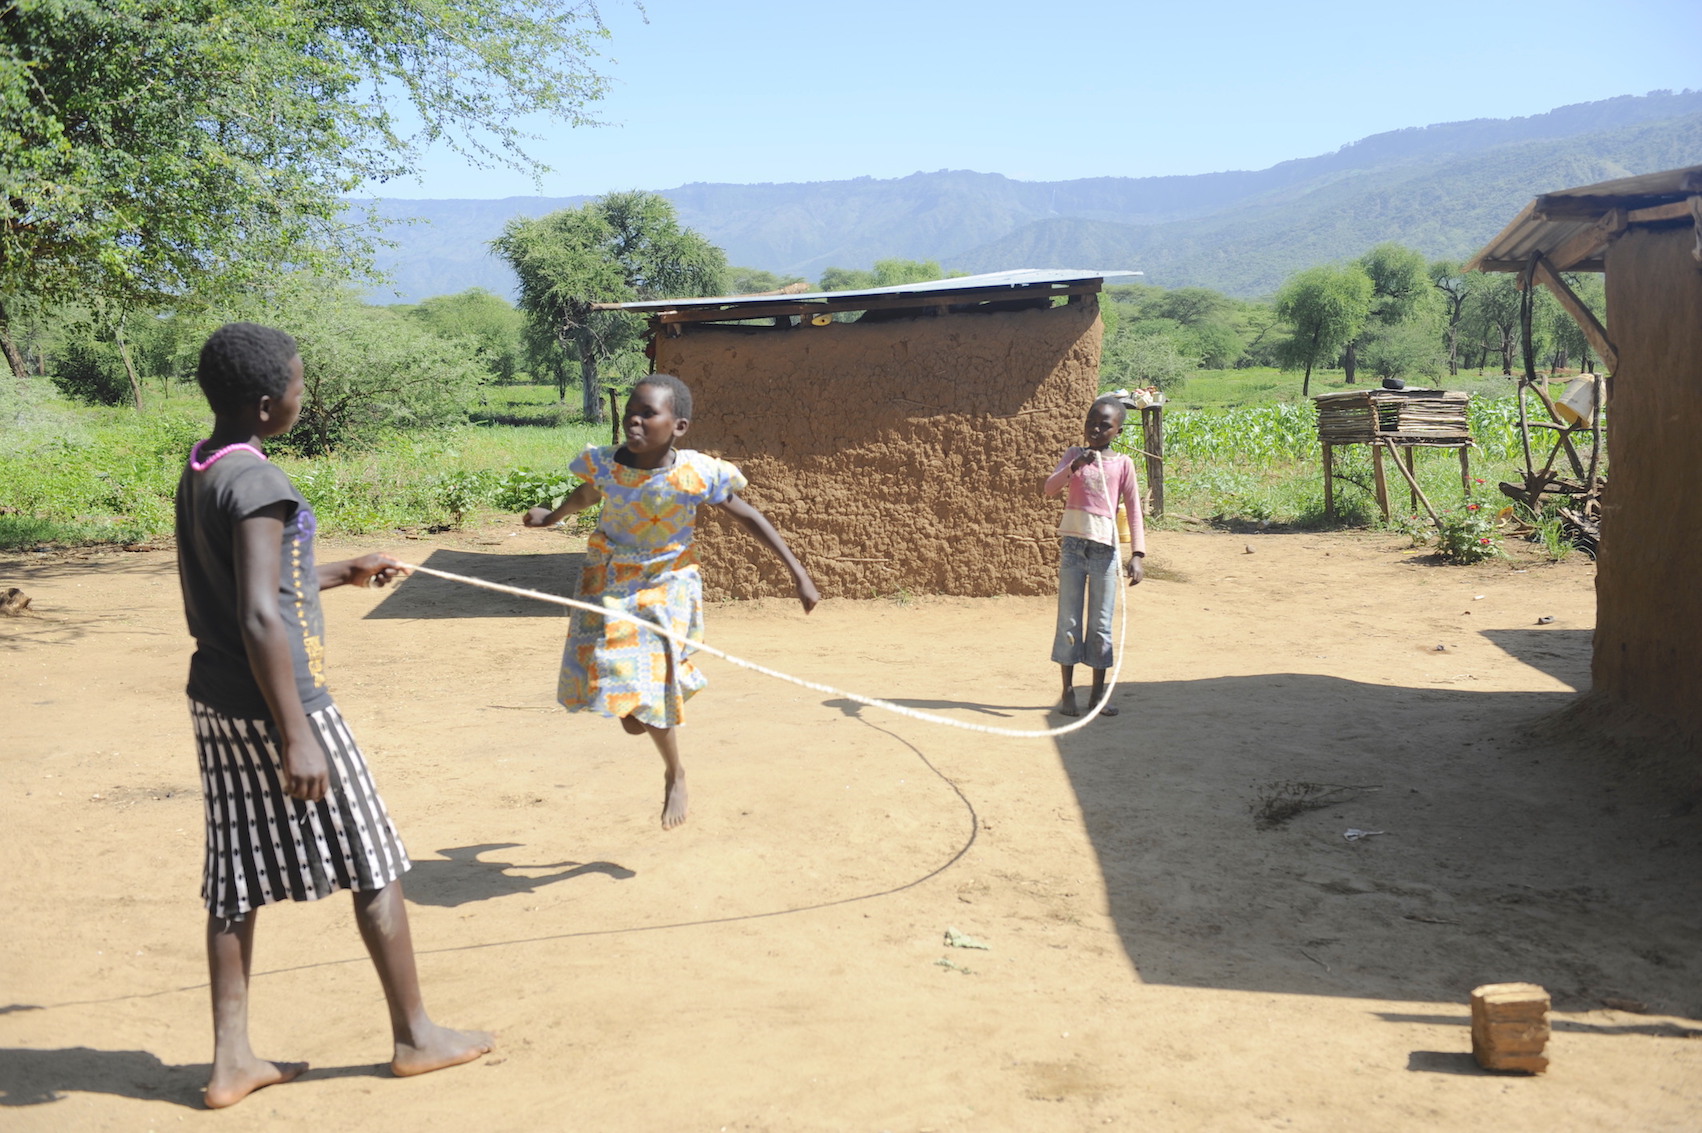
column 467, row 876
column 1219, row 811
column 423, row 596
column 39, row 1077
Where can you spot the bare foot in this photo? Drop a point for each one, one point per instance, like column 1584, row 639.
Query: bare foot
column 231, row 1084
column 632, row 725
column 675, row 803
column 437, row 1048
column 1108, row 710
column 1068, row 707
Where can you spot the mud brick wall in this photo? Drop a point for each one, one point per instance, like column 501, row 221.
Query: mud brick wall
column 1648, row 642
column 902, row 454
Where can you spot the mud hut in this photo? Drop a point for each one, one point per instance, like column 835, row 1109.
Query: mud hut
column 1646, row 234
column 896, row 435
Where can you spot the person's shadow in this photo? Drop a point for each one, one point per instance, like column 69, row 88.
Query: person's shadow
column 38, row 1077
column 466, row 877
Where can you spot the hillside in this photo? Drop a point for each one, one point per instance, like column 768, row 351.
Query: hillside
column 1443, row 189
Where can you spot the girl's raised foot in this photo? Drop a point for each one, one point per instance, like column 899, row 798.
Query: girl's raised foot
column 230, row 1084
column 675, row 802
column 1068, row 705
column 437, row 1048
column 632, row 725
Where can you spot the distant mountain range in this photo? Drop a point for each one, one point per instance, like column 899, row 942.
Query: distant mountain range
column 1444, row 190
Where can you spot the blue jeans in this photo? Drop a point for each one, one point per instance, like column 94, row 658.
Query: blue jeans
column 1085, row 570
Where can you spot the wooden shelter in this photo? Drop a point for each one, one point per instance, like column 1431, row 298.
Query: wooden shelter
column 1398, row 421
column 1646, row 234
column 897, row 436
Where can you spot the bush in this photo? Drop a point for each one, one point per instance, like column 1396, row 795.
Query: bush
column 90, row 371
column 1468, row 535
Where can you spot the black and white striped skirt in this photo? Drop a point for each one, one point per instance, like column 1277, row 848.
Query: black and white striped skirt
column 262, row 845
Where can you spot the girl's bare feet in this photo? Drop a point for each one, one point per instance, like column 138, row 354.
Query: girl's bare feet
column 675, row 803
column 1099, row 695
column 437, row 1048
column 1068, row 706
column 230, row 1084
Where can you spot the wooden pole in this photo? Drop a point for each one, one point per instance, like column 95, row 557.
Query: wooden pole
column 1412, row 473
column 1418, row 496
column 1466, row 470
column 1152, row 437
column 1382, row 481
column 1595, row 438
column 1329, row 483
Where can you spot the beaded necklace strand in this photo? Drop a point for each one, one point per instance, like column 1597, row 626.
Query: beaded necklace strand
column 200, row 465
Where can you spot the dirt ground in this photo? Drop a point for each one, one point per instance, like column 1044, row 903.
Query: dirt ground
column 1157, row 957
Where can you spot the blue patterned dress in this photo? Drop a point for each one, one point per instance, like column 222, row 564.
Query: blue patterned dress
column 641, row 560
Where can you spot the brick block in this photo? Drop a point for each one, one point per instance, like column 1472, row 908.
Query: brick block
column 1510, row 1027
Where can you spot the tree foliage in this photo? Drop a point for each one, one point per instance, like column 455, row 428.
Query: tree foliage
column 892, row 272
column 153, row 148
column 618, row 248
column 489, row 323
column 1326, row 308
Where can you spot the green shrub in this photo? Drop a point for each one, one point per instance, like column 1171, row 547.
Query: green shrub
column 1468, row 535
column 90, row 371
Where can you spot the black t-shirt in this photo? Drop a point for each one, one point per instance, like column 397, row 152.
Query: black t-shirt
column 210, row 504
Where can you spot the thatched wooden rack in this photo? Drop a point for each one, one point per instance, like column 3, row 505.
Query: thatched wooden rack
column 1399, row 422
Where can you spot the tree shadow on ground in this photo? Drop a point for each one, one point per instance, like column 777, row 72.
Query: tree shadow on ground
column 423, row 596
column 467, row 877
column 1504, row 856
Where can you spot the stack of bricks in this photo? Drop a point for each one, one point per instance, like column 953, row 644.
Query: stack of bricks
column 1510, row 1027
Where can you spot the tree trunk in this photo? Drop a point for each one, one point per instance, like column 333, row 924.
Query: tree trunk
column 13, row 358
column 1306, row 382
column 1350, row 360
column 129, row 367
column 591, row 398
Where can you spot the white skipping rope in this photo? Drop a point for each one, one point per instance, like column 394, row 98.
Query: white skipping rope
column 871, row 701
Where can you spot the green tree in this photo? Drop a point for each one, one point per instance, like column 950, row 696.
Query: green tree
column 1402, row 350
column 1136, row 360
column 486, row 320
column 1325, row 308
column 1454, row 286
column 618, row 248
column 366, row 368
column 1490, row 318
column 1400, row 282
column 755, row 281
column 150, row 149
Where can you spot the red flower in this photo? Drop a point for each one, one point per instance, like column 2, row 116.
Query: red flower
column 1471, row 507
column 1484, row 541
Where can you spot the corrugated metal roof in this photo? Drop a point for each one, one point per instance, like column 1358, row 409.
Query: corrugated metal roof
column 1019, row 277
column 1548, row 223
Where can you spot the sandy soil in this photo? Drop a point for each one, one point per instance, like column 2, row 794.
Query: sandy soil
column 1156, row 959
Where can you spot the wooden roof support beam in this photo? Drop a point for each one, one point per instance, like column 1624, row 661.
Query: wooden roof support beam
column 1582, row 315
column 1590, row 243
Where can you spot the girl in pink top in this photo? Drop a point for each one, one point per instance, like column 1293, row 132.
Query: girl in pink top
column 1098, row 479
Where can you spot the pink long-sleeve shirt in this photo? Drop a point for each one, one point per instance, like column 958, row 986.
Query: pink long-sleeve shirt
column 1086, row 495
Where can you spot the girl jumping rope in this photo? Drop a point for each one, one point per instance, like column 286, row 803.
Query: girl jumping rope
column 641, row 560
column 1097, row 479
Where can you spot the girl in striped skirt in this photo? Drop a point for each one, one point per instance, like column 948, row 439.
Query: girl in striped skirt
column 291, row 809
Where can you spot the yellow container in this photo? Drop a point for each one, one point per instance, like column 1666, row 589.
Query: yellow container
column 1579, row 400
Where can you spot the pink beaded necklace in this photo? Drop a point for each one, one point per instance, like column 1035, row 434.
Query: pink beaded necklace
column 200, row 465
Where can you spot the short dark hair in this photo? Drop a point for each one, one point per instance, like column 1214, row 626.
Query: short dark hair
column 679, row 394
column 243, row 362
column 1115, row 402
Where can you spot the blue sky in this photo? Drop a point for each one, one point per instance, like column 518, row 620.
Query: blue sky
column 755, row 90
